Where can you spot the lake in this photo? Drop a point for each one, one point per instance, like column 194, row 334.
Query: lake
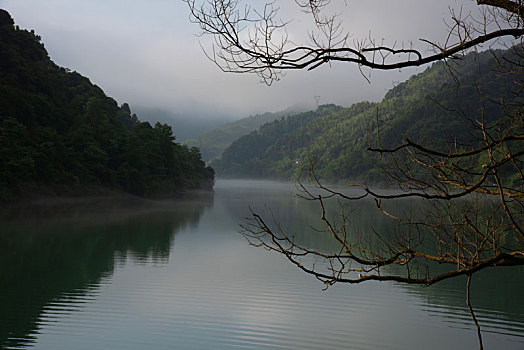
column 139, row 274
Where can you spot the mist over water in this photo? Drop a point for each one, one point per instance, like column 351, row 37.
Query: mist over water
column 106, row 274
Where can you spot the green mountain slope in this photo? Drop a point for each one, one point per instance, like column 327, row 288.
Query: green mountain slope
column 213, row 143
column 60, row 133
column 425, row 108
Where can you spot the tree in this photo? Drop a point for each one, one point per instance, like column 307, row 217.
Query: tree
column 248, row 40
column 472, row 187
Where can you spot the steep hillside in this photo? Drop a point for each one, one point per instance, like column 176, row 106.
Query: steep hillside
column 213, row 143
column 61, row 134
column 433, row 108
column 253, row 155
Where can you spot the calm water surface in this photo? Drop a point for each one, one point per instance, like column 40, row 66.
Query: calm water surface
column 129, row 274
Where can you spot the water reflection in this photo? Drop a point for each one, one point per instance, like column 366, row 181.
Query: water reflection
column 496, row 298
column 178, row 275
column 62, row 250
column 495, row 292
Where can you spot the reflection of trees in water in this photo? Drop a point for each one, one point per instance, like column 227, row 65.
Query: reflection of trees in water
column 293, row 214
column 301, row 219
column 48, row 252
column 494, row 292
column 495, row 295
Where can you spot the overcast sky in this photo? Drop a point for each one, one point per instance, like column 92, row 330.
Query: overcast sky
column 145, row 52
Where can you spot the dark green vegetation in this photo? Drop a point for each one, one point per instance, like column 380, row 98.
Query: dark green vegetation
column 61, row 134
column 434, row 108
column 213, row 143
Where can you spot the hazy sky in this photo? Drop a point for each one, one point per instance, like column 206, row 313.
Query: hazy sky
column 145, row 52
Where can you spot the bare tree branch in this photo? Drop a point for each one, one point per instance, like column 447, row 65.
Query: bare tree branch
column 470, row 213
column 250, row 41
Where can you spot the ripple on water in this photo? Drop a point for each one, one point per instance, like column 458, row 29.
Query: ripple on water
column 216, row 292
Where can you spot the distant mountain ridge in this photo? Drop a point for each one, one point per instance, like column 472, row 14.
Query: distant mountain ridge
column 424, row 108
column 185, row 126
column 213, row 143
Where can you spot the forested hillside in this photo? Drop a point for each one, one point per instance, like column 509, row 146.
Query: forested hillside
column 436, row 108
column 213, row 143
column 59, row 133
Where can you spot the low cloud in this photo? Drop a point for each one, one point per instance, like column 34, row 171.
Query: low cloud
column 146, row 53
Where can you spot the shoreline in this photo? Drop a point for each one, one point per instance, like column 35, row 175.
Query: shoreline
column 57, row 195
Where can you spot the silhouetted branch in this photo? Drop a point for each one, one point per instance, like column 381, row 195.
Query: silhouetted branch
column 251, row 41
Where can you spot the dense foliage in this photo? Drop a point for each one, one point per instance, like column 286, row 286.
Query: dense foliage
column 213, row 143
column 434, row 108
column 60, row 133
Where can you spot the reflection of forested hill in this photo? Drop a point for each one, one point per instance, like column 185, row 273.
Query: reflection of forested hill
column 337, row 138
column 52, row 252
column 495, row 292
column 495, row 296
column 60, row 133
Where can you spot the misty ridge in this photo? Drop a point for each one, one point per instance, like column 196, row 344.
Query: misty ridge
column 185, row 125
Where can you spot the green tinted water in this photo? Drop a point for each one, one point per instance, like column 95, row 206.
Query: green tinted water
column 130, row 274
